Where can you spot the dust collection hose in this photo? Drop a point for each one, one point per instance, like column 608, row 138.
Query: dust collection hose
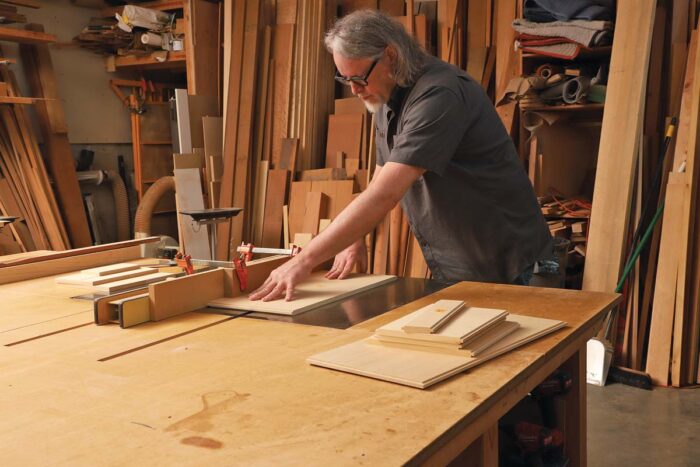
column 144, row 212
column 121, row 204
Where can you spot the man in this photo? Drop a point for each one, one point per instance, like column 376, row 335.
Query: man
column 442, row 151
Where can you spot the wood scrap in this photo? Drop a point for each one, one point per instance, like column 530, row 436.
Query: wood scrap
column 433, row 317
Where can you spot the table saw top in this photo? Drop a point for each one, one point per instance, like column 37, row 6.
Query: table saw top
column 205, row 388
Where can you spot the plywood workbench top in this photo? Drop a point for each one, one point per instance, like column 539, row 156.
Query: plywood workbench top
column 238, row 391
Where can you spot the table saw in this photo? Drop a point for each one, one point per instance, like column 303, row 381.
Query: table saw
column 203, row 388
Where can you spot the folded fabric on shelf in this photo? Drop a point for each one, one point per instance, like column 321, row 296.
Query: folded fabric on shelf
column 586, row 33
column 564, row 50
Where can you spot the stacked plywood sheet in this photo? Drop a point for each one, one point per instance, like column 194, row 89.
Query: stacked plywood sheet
column 423, row 359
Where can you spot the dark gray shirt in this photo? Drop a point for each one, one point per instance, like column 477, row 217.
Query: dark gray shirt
column 473, row 212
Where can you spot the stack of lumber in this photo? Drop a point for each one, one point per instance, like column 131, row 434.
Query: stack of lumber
column 448, row 326
column 48, row 220
column 464, row 32
column 103, row 36
column 658, row 324
column 25, row 190
column 415, row 352
column 278, row 91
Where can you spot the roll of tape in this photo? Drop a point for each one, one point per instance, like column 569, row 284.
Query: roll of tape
column 152, row 39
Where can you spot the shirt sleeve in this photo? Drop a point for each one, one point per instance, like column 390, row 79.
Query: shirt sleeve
column 433, row 126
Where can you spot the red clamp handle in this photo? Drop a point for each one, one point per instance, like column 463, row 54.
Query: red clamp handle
column 241, row 272
column 185, row 262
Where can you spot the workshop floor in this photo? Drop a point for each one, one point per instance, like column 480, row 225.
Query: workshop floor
column 629, row 426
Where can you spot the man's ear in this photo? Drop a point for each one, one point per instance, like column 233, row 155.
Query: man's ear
column 391, row 53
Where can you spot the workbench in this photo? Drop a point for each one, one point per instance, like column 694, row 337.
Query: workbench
column 207, row 389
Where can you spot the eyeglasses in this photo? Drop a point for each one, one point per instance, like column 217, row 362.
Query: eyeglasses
column 359, row 80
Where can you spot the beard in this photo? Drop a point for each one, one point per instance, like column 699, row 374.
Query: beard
column 373, row 106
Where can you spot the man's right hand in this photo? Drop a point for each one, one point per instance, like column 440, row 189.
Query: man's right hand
column 345, row 260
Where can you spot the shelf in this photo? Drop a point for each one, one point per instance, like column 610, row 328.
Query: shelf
column 174, row 60
column 157, row 143
column 22, row 36
column 163, row 5
column 584, row 54
column 563, row 108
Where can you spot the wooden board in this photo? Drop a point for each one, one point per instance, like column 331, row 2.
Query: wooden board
column 37, row 257
column 50, row 267
column 314, row 292
column 91, row 280
column 316, row 209
column 246, row 120
column 431, row 318
column 466, row 324
column 344, row 135
column 213, row 136
column 349, row 105
column 320, row 175
column 477, row 29
column 339, row 193
column 188, row 195
column 420, row 369
column 275, row 199
column 661, row 330
column 259, row 200
column 202, row 47
column 688, row 215
column 472, row 348
column 189, row 293
column 111, row 269
column 283, row 53
column 126, row 284
column 25, row 37
column 288, row 154
column 622, row 120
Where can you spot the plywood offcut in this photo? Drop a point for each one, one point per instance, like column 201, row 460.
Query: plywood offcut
column 312, row 293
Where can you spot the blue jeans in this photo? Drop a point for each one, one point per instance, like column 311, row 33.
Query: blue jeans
column 525, row 277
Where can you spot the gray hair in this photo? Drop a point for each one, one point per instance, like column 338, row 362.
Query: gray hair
column 367, row 33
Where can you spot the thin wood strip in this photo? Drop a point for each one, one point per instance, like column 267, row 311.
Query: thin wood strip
column 241, row 197
column 223, row 246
